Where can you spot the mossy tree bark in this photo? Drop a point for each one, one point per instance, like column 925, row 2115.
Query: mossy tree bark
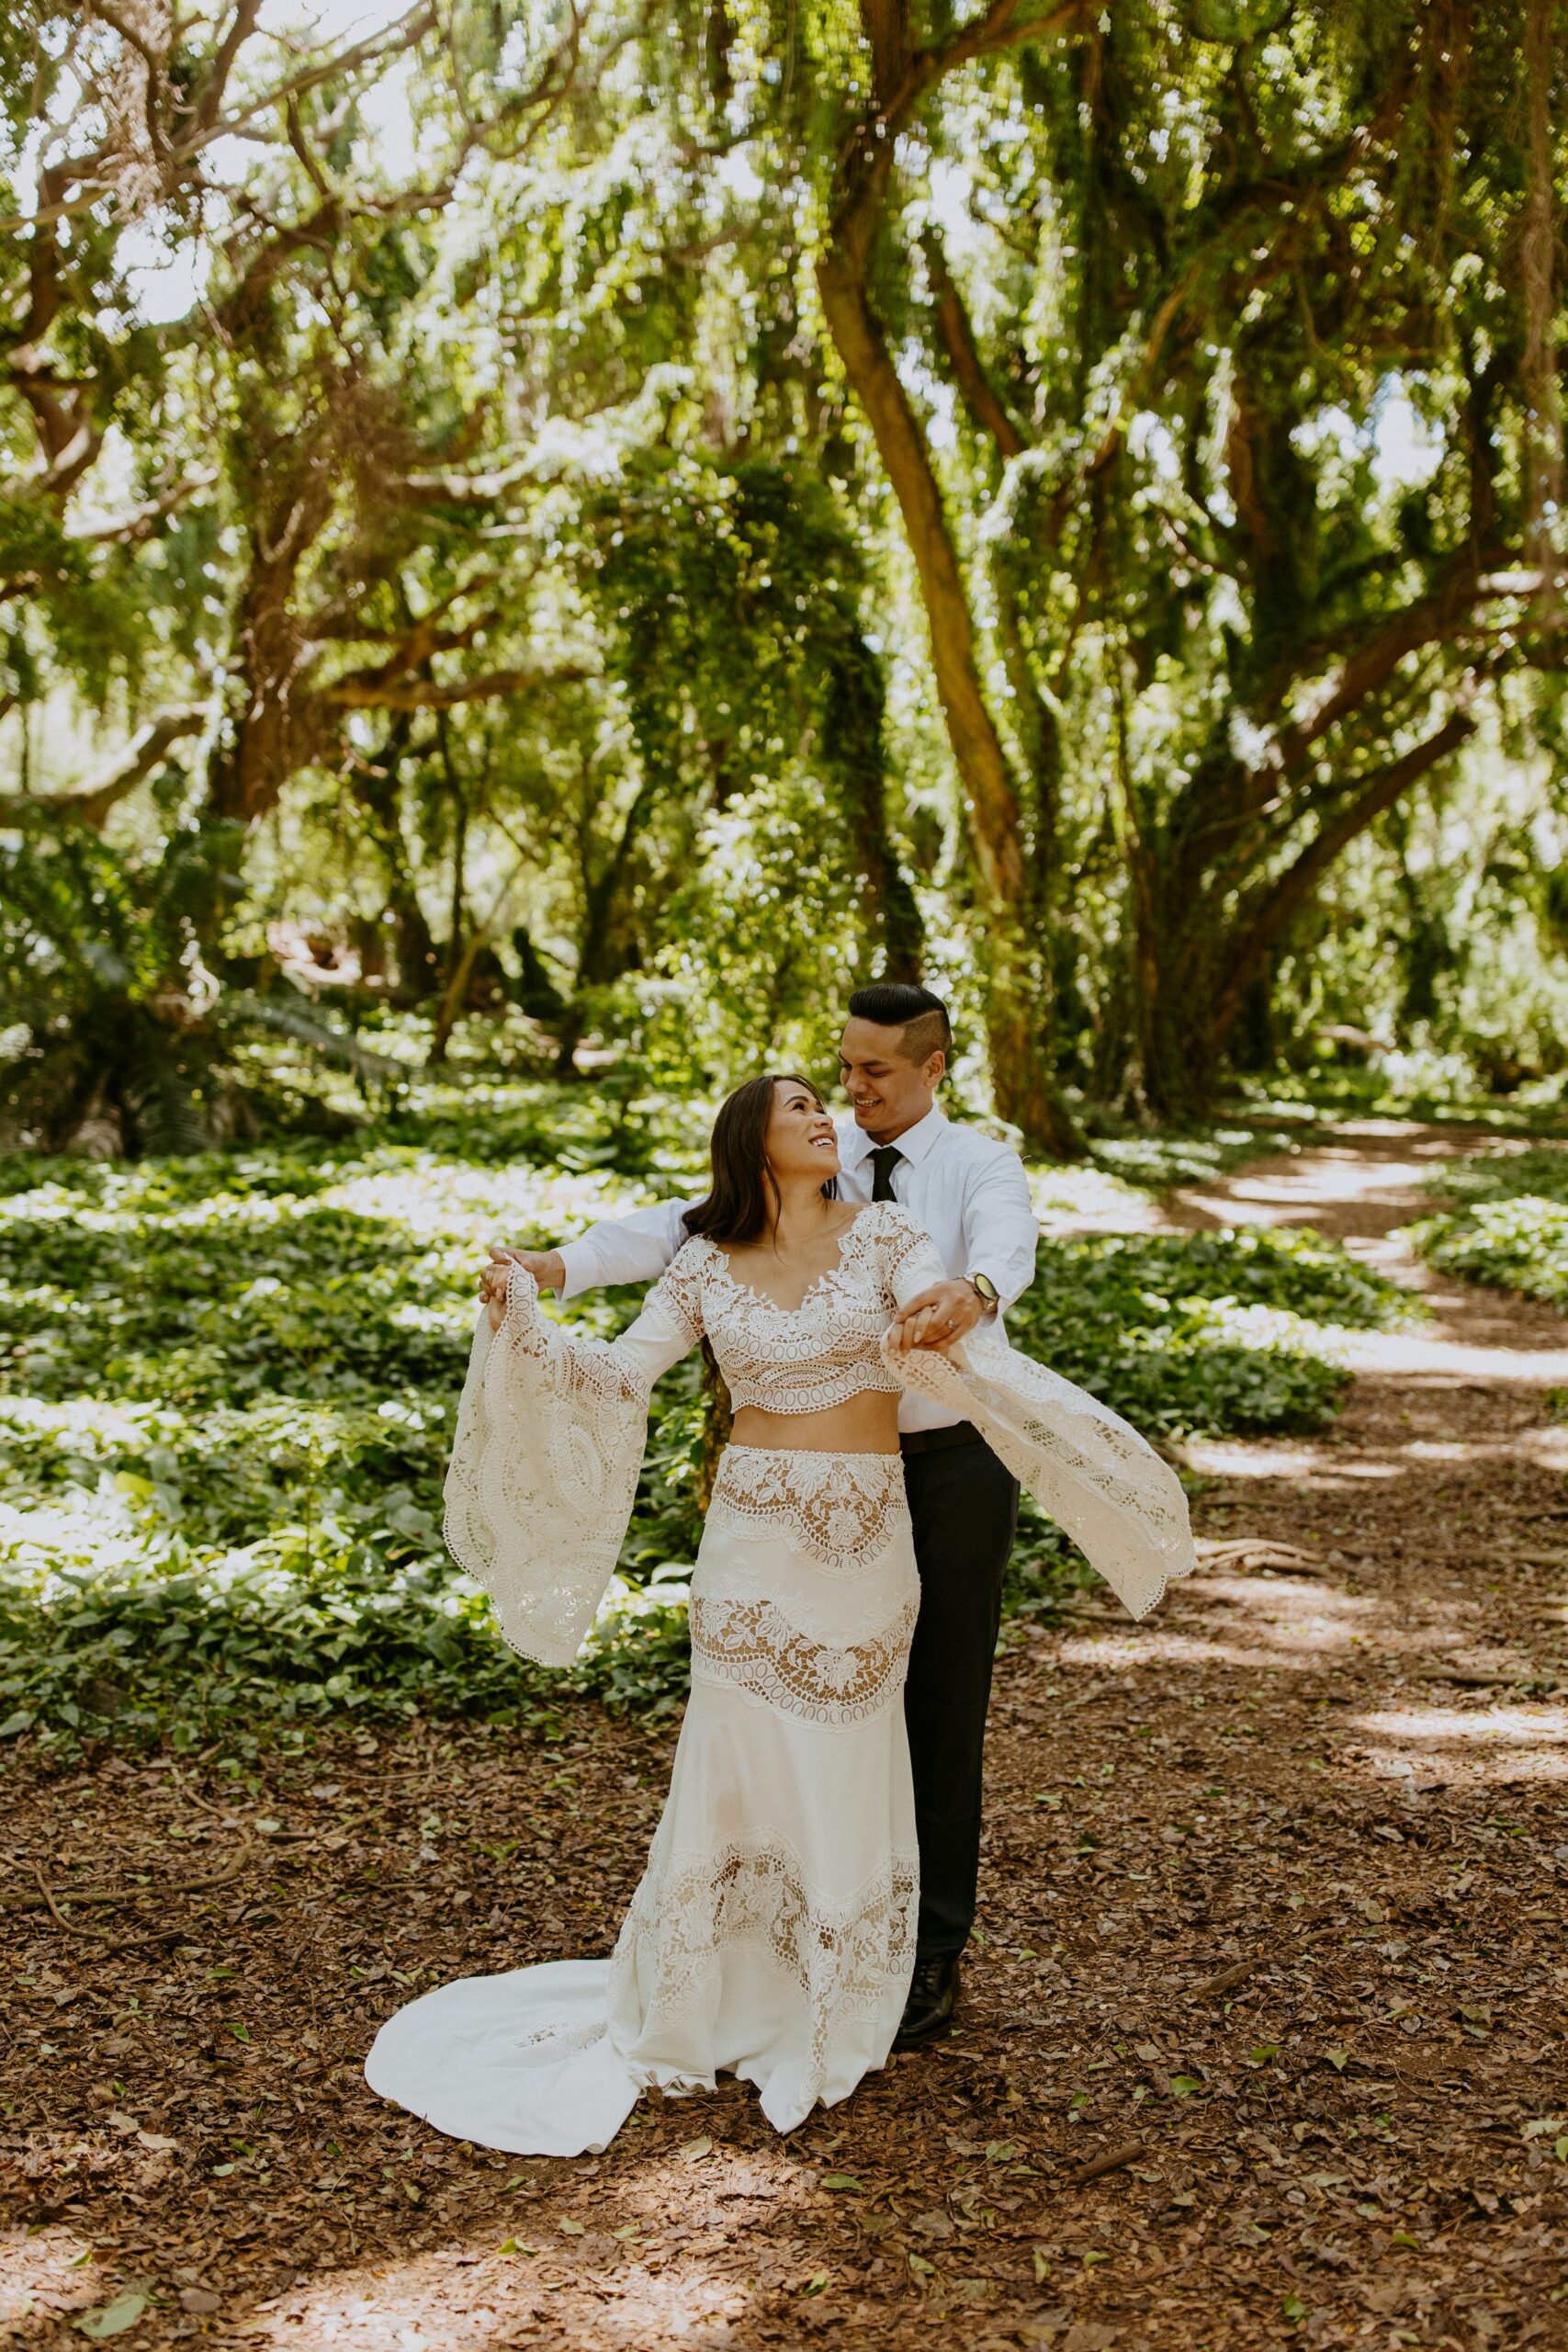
column 1019, row 1026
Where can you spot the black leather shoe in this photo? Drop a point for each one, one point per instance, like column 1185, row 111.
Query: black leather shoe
column 927, row 2012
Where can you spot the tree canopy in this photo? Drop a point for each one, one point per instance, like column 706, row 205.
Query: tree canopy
column 644, row 515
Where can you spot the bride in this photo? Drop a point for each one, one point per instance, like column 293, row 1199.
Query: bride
column 772, row 1934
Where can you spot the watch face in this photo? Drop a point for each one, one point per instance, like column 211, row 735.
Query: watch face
column 985, row 1287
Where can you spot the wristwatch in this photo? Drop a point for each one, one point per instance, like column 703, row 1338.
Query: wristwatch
column 986, row 1291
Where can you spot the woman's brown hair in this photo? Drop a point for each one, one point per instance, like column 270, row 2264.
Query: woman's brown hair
column 741, row 1204
column 743, row 1200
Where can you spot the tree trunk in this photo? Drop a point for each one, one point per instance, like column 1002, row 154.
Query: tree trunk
column 1202, row 975
column 274, row 723
column 1543, row 449
column 454, row 996
column 374, row 786
column 1019, row 1028
column 854, row 744
column 459, row 954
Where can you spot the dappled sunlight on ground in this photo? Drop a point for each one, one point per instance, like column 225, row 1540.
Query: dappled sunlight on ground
column 1089, row 1200
column 1520, row 1726
column 446, row 2302
column 1417, row 1357
column 46, row 2271
column 643, row 2240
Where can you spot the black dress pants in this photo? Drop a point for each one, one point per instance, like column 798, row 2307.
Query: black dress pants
column 963, row 1507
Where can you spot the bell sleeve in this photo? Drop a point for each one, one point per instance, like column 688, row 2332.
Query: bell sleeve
column 1090, row 1470
column 550, row 1434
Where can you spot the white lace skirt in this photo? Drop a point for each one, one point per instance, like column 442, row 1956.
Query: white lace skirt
column 772, row 1934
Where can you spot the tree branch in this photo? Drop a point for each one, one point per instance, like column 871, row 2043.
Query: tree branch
column 1431, row 617
column 371, row 690
column 91, row 801
column 980, row 395
column 1290, row 892
column 135, row 523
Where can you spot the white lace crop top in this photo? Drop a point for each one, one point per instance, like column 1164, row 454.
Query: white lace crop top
column 804, row 1359
column 552, row 1423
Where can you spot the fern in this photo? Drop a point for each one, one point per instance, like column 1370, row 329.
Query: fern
column 127, row 1038
column 242, row 1009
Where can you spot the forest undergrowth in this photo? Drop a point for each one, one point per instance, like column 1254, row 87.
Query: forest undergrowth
column 227, row 1383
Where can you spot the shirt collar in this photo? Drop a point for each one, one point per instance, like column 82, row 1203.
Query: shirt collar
column 912, row 1145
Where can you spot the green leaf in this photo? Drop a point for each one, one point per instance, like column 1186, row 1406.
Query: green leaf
column 842, row 2180
column 113, row 2319
column 1295, row 2310
column 14, row 1724
column 1183, row 2085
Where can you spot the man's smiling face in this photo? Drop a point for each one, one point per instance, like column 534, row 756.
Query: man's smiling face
column 887, row 1091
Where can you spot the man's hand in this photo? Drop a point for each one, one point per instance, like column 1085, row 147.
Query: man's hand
column 937, row 1318
column 544, row 1265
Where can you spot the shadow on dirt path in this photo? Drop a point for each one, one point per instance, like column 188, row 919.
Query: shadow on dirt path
column 1273, row 1915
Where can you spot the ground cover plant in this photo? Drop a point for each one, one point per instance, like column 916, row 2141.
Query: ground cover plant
column 228, row 1386
column 1507, row 1223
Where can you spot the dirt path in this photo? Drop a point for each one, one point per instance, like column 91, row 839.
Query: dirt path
column 1274, row 1888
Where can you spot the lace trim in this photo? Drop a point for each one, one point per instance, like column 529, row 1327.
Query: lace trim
column 808, row 1357
column 681, row 1284
column 847, row 1955
column 840, row 1511
column 1122, row 1504
column 563, row 2033
column 544, row 1468
column 727, row 1274
column 884, row 1238
column 753, row 1643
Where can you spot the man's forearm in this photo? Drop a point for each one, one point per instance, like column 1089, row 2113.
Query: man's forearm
column 634, row 1249
column 1001, row 1234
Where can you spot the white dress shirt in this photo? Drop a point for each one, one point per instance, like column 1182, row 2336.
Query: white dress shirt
column 969, row 1191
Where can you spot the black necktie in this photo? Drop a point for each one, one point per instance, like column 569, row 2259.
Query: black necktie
column 884, row 1160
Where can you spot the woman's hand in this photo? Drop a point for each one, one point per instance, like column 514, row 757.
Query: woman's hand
column 493, row 1291
column 546, row 1266
column 937, row 1318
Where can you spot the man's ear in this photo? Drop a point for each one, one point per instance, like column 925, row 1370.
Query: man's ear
column 936, row 1068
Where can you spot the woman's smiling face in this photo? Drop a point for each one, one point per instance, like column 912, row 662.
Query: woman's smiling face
column 800, row 1135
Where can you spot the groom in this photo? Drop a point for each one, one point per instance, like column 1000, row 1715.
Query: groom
column 971, row 1195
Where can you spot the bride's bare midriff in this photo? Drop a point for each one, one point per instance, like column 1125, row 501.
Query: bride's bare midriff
column 864, row 1424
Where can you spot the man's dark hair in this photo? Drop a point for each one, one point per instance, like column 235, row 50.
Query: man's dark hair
column 902, row 1004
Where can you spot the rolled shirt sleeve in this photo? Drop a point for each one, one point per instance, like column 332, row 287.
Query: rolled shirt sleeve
column 635, row 1248
column 1000, row 1228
